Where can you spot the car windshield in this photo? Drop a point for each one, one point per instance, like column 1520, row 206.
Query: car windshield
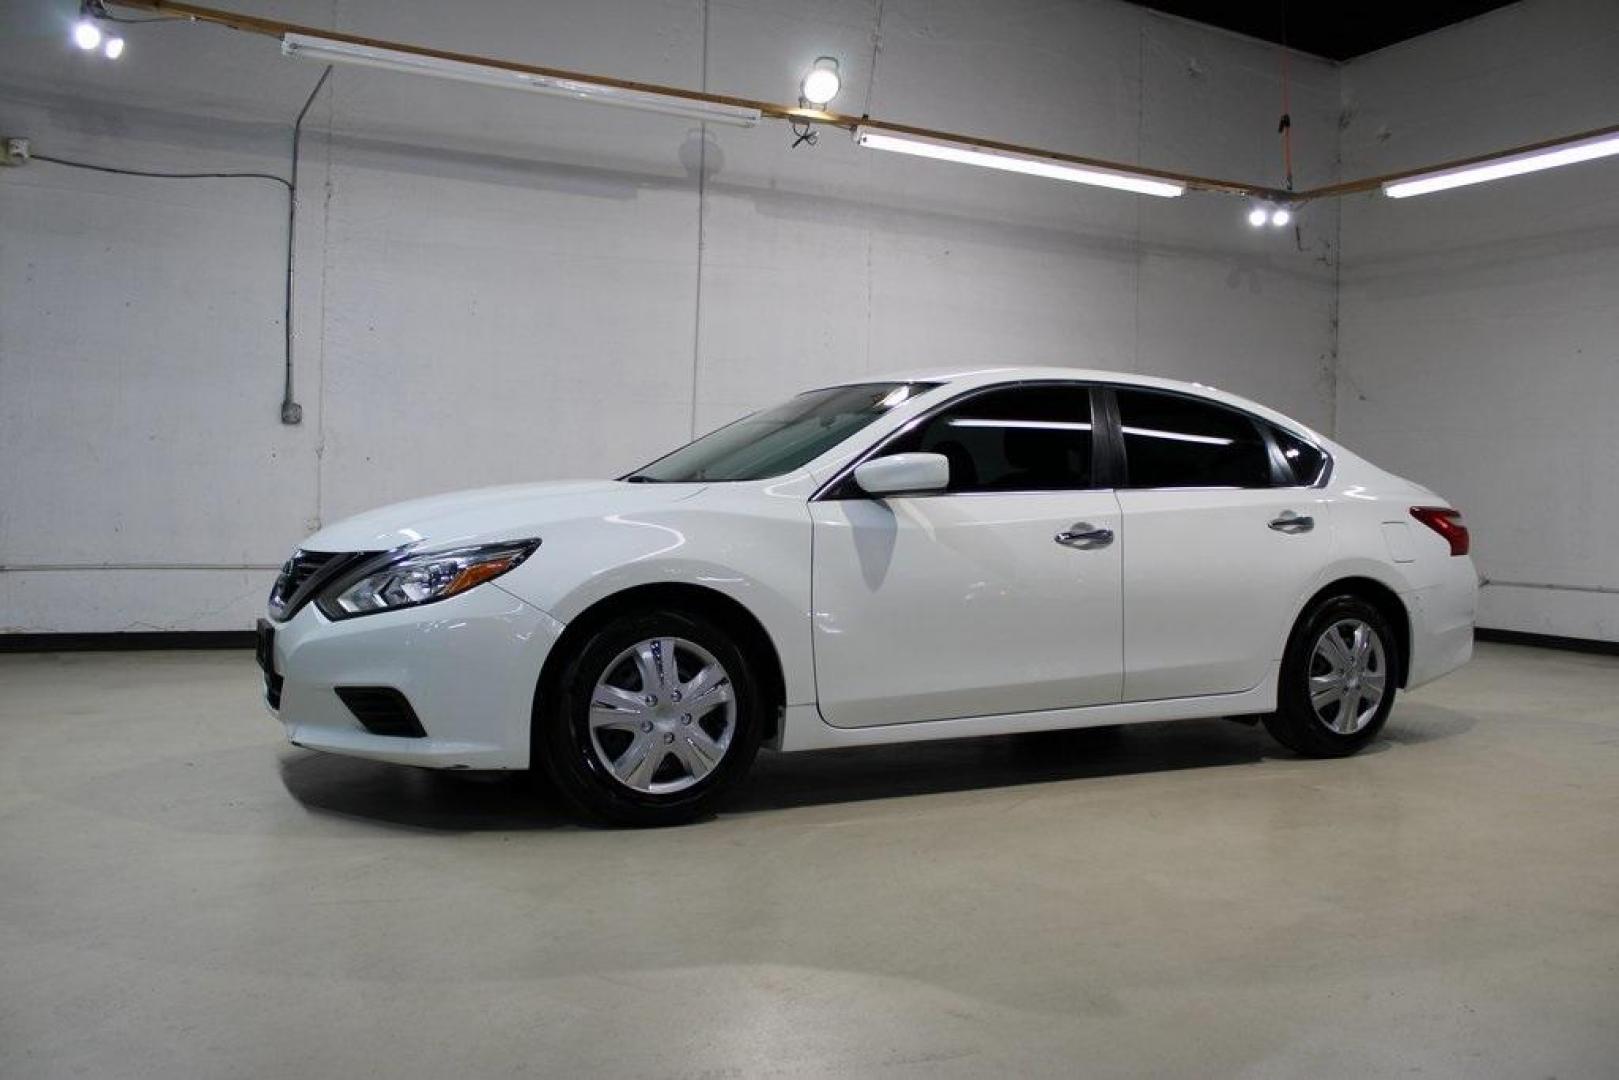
column 779, row 440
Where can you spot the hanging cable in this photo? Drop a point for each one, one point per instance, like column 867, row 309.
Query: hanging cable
column 804, row 133
column 291, row 411
column 1284, row 126
column 876, row 50
column 70, row 163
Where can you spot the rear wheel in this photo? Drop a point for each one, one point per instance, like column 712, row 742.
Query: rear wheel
column 1338, row 679
column 659, row 714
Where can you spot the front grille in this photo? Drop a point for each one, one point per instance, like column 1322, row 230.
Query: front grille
column 382, row 710
column 302, row 566
column 303, row 575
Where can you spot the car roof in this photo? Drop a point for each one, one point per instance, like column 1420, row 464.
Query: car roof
column 970, row 377
column 1021, row 373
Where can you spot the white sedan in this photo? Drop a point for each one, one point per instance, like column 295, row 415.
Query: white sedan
column 929, row 556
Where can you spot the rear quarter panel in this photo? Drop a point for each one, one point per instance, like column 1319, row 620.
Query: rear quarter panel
column 1375, row 536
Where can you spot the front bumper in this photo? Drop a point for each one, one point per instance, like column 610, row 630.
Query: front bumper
column 468, row 666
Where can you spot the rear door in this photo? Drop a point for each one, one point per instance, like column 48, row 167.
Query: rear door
column 983, row 598
column 1221, row 542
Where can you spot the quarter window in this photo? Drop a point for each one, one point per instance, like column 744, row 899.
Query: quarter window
column 1304, row 460
column 1023, row 438
column 1176, row 441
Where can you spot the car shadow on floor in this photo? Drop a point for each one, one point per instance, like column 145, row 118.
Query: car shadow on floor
column 411, row 798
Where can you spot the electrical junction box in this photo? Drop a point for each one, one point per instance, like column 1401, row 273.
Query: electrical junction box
column 13, row 150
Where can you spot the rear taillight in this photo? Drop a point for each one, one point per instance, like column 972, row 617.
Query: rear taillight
column 1447, row 523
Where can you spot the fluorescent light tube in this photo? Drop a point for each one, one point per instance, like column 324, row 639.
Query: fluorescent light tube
column 330, row 51
column 986, row 157
column 1513, row 165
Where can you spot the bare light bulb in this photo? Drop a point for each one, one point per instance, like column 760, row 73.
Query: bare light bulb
column 1257, row 216
column 822, row 83
column 86, row 34
column 1280, row 217
column 114, row 48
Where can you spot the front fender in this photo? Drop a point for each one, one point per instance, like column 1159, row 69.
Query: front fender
column 753, row 550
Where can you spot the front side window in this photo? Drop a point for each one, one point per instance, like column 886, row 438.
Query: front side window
column 1022, row 438
column 1176, row 441
column 779, row 440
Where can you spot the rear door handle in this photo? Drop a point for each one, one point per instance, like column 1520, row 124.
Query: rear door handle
column 1291, row 523
column 1085, row 536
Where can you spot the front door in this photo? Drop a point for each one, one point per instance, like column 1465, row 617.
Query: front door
column 1000, row 594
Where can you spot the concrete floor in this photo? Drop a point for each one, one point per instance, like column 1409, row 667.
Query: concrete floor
column 181, row 894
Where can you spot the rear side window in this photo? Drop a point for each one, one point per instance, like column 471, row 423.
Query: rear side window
column 1305, row 461
column 1023, row 438
column 1176, row 441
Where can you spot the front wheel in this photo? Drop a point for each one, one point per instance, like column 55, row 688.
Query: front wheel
column 1338, row 679
column 658, row 715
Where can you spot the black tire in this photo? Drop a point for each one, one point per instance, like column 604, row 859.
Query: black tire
column 575, row 764
column 1296, row 724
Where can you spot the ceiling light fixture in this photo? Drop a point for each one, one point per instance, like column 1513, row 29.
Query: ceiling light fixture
column 86, row 34
column 964, row 153
column 821, row 83
column 1569, row 153
column 1262, row 214
column 1547, row 153
column 334, row 51
column 114, row 48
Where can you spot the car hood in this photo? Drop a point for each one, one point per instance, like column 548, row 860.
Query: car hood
column 510, row 512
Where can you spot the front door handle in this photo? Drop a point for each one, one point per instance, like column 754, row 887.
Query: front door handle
column 1291, row 523
column 1085, row 536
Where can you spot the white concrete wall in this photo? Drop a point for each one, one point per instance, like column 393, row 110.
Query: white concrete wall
column 495, row 287
column 1479, row 348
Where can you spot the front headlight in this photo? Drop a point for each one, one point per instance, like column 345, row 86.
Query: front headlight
column 409, row 579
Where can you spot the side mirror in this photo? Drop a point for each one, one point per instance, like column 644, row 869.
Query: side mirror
column 903, row 474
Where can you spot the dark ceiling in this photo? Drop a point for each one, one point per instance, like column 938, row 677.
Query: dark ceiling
column 1336, row 29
